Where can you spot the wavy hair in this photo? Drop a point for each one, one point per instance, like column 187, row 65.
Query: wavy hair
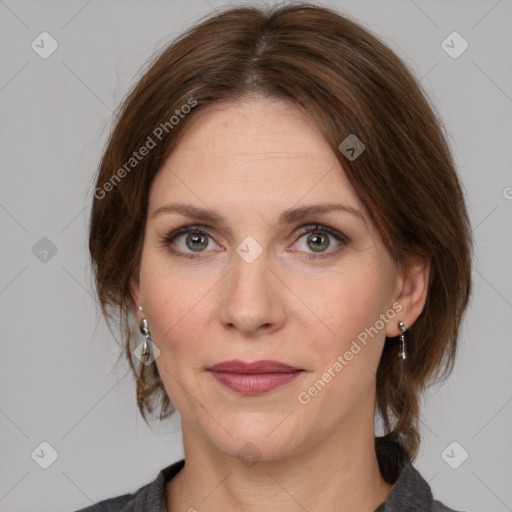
column 349, row 82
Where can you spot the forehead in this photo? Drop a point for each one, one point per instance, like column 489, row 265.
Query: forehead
column 253, row 121
column 259, row 153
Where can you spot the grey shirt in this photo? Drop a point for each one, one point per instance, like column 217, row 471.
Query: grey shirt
column 410, row 493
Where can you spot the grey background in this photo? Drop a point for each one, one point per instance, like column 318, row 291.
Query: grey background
column 57, row 378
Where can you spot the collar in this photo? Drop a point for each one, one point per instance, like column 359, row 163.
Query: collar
column 410, row 492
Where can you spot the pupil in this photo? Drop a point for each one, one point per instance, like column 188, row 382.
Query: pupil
column 197, row 238
column 318, row 238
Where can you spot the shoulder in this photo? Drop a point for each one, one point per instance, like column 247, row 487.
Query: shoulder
column 120, row 503
column 412, row 493
column 148, row 498
column 437, row 506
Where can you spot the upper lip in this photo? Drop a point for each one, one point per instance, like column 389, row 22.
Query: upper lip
column 263, row 366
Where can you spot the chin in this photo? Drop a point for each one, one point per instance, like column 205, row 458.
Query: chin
column 252, row 440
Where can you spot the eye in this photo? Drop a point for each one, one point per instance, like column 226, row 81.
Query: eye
column 318, row 240
column 188, row 239
column 196, row 239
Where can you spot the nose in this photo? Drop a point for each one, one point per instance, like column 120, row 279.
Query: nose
column 252, row 298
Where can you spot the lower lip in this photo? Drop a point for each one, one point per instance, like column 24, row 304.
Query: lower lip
column 256, row 383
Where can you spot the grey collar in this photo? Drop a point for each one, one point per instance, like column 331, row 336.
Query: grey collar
column 410, row 493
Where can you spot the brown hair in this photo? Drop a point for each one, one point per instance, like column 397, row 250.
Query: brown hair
column 350, row 83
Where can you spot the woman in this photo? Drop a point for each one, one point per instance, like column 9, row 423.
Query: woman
column 279, row 211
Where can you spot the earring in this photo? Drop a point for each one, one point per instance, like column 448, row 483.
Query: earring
column 148, row 342
column 402, row 354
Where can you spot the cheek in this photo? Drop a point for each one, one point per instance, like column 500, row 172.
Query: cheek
column 174, row 306
column 176, row 314
column 347, row 356
column 349, row 306
column 349, row 301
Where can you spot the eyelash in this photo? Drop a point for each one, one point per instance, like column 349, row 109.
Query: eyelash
column 312, row 228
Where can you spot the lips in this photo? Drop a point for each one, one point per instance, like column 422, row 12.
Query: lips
column 264, row 366
column 254, row 378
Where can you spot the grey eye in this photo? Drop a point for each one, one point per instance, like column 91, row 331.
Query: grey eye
column 196, row 241
column 318, row 242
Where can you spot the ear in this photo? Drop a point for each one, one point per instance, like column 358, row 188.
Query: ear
column 411, row 291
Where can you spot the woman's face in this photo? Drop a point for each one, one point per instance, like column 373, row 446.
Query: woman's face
column 259, row 287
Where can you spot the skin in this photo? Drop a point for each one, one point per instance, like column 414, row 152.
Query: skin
column 248, row 162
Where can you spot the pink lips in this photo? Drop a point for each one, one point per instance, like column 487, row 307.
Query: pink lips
column 254, row 378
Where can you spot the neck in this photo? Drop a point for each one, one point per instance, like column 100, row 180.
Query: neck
column 339, row 473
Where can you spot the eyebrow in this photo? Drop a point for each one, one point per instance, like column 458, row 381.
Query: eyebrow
column 289, row 216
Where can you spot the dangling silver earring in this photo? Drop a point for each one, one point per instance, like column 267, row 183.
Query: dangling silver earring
column 148, row 342
column 402, row 354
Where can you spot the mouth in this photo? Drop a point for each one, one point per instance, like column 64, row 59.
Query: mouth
column 254, row 378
